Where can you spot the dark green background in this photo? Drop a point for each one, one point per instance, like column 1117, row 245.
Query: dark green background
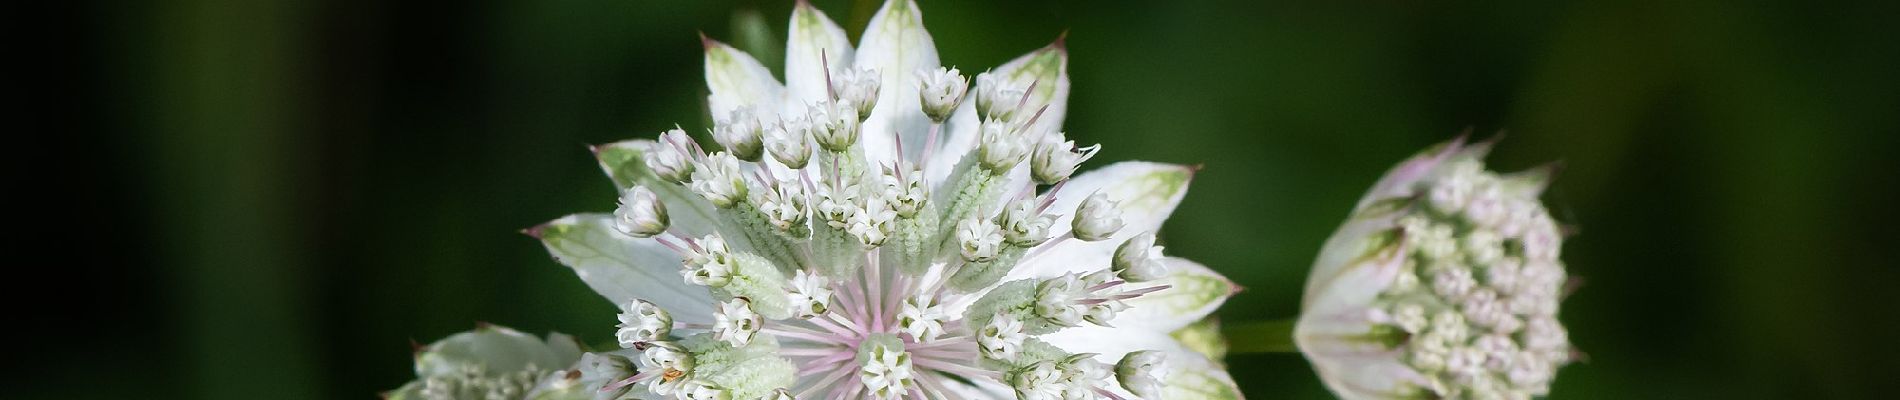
column 270, row 199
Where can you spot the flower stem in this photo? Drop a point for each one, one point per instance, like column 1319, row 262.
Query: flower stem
column 1261, row 337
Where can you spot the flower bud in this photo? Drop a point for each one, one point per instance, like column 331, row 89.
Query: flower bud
column 859, row 88
column 642, row 321
column 1139, row 259
column 996, row 98
column 709, row 263
column 784, row 205
column 1141, row 372
column 720, row 181
column 834, row 125
column 1055, row 160
column 1002, row 146
column 1023, row 226
column 907, row 191
column 741, row 134
column 1039, row 381
column 696, row 390
column 641, row 214
column 672, row 159
column 1057, row 300
column 1096, row 219
column 789, row 142
column 940, row 91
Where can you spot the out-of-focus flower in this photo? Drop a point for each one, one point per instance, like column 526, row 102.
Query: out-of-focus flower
column 1444, row 283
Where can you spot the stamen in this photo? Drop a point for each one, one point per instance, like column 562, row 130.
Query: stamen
column 820, row 385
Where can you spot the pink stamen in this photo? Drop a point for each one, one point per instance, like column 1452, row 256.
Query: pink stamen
column 833, row 377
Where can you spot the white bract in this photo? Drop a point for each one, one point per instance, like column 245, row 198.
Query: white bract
column 863, row 232
column 1444, row 283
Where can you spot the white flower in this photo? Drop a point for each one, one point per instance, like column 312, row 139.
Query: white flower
column 921, row 318
column 871, row 222
column 641, row 214
column 783, row 204
column 673, row 363
column 641, row 321
column 1437, row 270
column 885, row 368
column 1039, row 381
column 906, row 190
column 1002, row 338
column 711, row 264
column 810, row 294
column 842, row 265
column 979, row 239
column 735, row 322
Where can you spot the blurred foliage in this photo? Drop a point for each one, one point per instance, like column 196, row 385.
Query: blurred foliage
column 317, row 183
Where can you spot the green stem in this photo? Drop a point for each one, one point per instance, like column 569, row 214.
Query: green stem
column 1261, row 337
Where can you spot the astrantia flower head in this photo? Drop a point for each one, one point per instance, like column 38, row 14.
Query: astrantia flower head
column 864, row 232
column 1444, row 283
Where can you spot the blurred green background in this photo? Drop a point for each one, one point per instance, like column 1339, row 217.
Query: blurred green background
column 272, row 198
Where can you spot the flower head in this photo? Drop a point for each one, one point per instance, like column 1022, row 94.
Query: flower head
column 1458, row 292
column 861, row 235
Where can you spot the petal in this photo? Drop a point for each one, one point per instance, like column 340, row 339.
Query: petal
column 1194, row 292
column 497, row 349
column 1048, row 69
column 979, row 388
column 1190, row 375
column 1147, row 193
column 1357, row 282
column 622, row 268
column 1203, row 337
column 625, row 164
column 814, row 41
column 736, row 80
column 896, row 45
column 1111, row 343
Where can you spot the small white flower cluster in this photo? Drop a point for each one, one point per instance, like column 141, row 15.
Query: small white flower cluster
column 1478, row 295
column 1469, row 281
column 475, row 382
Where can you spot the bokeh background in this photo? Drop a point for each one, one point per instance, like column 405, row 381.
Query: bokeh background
column 272, row 198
